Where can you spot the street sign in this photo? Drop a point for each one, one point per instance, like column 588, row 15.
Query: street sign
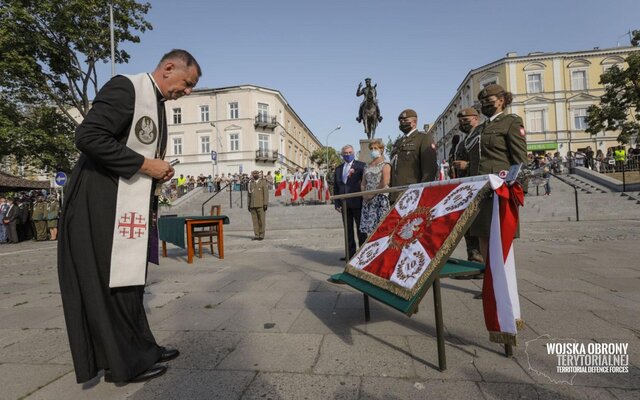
column 240, row 169
column 61, row 178
column 214, row 155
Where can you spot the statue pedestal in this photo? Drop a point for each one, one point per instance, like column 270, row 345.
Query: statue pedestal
column 364, row 153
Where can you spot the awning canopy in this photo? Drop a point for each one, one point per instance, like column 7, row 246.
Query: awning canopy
column 10, row 182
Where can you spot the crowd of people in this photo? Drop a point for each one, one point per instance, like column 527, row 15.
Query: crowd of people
column 29, row 216
column 178, row 187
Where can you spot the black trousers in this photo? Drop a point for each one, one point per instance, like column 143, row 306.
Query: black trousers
column 353, row 221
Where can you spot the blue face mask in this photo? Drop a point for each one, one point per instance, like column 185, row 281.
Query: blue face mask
column 347, row 157
column 375, row 153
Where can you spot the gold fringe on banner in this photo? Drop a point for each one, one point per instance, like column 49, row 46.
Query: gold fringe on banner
column 519, row 324
column 503, row 337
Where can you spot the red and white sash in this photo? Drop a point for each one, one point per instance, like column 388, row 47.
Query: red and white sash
column 131, row 231
column 500, row 300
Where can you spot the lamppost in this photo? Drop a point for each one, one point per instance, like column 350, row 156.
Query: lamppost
column 327, row 148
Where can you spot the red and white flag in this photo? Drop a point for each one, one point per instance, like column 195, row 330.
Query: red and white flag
column 281, row 186
column 306, row 186
column 325, row 188
column 293, row 190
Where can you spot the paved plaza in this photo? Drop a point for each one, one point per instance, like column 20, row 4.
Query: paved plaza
column 264, row 322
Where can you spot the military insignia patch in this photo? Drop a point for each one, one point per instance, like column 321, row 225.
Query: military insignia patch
column 522, row 132
column 146, row 130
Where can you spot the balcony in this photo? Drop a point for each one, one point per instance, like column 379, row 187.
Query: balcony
column 266, row 155
column 264, row 121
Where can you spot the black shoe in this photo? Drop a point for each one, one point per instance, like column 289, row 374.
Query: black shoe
column 260, row 238
column 343, row 258
column 168, row 354
column 153, row 372
column 255, row 238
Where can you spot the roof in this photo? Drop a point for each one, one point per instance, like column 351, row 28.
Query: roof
column 10, row 182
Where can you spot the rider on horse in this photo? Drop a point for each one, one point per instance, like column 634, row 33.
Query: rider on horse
column 367, row 91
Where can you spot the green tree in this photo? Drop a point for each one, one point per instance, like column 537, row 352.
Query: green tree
column 50, row 48
column 620, row 105
column 38, row 136
column 320, row 157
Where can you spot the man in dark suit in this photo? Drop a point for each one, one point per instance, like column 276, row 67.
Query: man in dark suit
column 347, row 179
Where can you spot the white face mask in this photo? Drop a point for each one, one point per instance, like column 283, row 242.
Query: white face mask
column 375, row 153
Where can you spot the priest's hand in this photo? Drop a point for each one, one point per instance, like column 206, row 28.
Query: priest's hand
column 156, row 168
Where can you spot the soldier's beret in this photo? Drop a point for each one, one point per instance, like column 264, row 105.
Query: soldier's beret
column 468, row 112
column 490, row 90
column 408, row 113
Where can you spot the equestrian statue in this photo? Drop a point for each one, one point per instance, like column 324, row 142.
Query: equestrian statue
column 369, row 112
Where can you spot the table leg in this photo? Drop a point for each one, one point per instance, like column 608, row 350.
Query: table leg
column 189, row 243
column 220, row 240
column 164, row 248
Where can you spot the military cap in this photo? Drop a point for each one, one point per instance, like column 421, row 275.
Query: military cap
column 367, row 79
column 490, row 90
column 255, row 171
column 468, row 112
column 408, row 113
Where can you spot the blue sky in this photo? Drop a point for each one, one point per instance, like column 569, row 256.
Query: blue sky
column 417, row 52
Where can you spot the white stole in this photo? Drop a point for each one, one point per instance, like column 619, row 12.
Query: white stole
column 131, row 230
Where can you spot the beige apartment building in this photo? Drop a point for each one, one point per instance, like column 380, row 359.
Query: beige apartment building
column 551, row 92
column 247, row 127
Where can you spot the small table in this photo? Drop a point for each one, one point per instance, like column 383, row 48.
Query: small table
column 170, row 229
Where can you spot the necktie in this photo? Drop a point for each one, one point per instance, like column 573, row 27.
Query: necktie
column 345, row 172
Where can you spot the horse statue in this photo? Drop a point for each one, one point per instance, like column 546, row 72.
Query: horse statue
column 369, row 113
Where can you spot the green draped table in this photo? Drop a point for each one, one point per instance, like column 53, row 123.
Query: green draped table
column 172, row 230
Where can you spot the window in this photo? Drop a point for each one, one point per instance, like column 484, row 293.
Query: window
column 579, row 80
column 205, row 145
column 580, row 119
column 263, row 112
column 233, row 110
column 535, row 121
column 177, row 146
column 534, row 83
column 263, row 142
column 177, row 115
column 234, row 141
column 204, row 113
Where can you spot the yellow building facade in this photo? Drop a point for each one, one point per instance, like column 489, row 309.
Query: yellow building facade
column 551, row 92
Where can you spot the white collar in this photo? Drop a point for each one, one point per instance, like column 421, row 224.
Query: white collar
column 409, row 134
column 494, row 116
column 157, row 87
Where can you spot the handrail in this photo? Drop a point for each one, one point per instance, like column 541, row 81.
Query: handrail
column 214, row 195
column 414, row 185
column 575, row 192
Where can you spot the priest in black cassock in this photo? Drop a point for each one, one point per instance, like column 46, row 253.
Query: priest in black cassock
column 107, row 226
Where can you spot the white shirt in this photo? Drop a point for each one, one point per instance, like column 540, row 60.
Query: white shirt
column 494, row 116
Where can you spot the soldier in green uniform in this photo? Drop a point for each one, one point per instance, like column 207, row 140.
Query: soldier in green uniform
column 413, row 157
column 502, row 142
column 468, row 121
column 258, row 201
column 39, row 218
column 53, row 213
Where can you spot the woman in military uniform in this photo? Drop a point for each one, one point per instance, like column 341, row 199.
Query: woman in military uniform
column 501, row 143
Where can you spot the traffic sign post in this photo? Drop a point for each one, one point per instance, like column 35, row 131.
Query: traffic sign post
column 61, row 180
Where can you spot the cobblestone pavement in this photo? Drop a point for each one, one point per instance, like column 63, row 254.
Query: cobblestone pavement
column 264, row 322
